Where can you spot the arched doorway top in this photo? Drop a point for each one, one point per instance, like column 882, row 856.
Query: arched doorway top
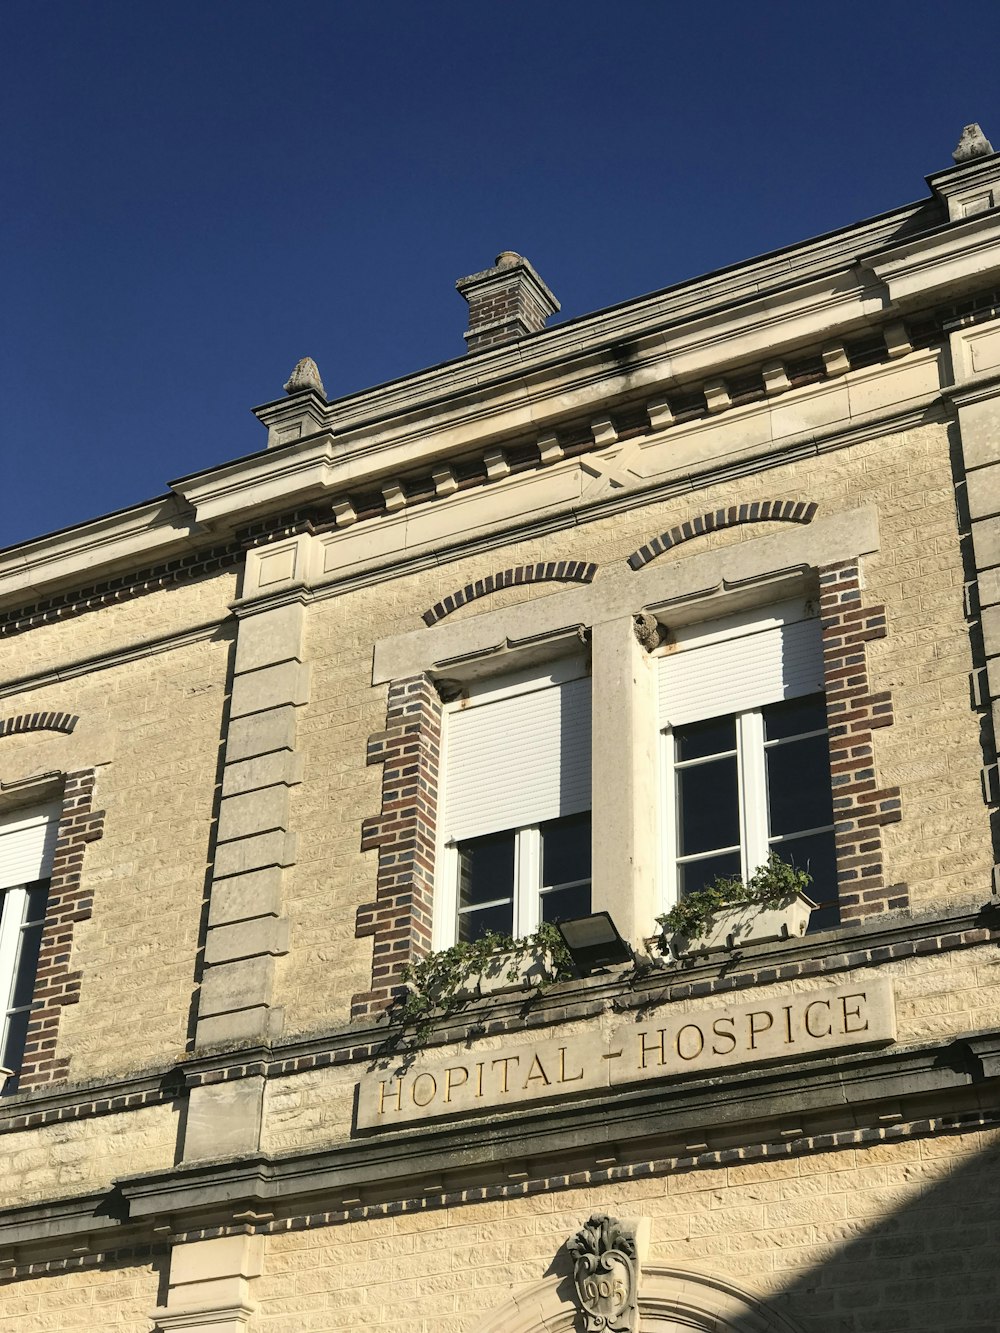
column 671, row 1298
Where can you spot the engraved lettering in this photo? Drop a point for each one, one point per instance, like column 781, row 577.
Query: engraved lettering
column 563, row 1076
column 450, row 1082
column 727, row 1036
column 433, row 1089
column 690, row 1027
column 757, row 1031
column 704, row 1038
column 505, row 1060
column 658, row 1045
column 855, row 1012
column 817, row 1004
column 532, row 1075
column 381, row 1097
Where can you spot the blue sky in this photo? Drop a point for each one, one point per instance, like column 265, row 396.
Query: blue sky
column 199, row 192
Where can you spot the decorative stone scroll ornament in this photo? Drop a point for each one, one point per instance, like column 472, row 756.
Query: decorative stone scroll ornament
column 648, row 630
column 606, row 1274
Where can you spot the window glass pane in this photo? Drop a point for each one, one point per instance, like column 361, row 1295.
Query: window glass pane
column 474, row 924
column 485, row 869
column 708, row 806
column 38, row 897
column 792, row 717
column 486, row 886
column 565, row 904
column 565, row 849
column 713, row 736
column 798, row 785
column 24, row 975
column 695, row 875
column 13, row 1047
column 817, row 855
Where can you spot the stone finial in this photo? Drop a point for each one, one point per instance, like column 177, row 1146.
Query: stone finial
column 305, row 376
column 606, row 1275
column 973, row 143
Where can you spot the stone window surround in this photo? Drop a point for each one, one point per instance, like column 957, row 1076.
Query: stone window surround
column 702, row 587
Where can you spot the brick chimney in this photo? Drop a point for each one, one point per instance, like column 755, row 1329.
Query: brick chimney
column 505, row 302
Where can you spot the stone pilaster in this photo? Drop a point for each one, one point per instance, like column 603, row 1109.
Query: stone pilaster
column 254, row 847
column 975, row 396
column 254, row 844
column 209, row 1288
column 624, row 811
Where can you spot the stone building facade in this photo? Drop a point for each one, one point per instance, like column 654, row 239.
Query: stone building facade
column 564, row 626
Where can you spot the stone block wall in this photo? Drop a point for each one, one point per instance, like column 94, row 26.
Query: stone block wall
column 881, row 1236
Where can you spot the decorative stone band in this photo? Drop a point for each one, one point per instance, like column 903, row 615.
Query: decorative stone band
column 760, row 511
column 56, row 984
column 561, row 571
column 767, row 1150
column 120, row 588
column 969, row 1122
column 11, row 726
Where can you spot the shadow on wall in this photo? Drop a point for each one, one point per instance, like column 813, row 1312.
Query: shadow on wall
column 887, row 1240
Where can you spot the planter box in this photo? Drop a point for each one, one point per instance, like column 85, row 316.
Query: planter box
column 748, row 924
column 530, row 971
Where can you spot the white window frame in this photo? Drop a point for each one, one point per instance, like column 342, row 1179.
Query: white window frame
column 755, row 841
column 751, row 766
column 527, row 884
column 14, row 903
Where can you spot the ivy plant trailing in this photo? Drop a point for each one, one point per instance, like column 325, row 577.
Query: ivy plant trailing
column 436, row 986
column 773, row 884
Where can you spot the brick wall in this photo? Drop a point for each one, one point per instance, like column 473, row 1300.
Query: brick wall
column 855, row 712
column 56, row 983
column 404, row 835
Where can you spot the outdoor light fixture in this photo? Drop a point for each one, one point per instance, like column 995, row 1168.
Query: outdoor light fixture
column 593, row 942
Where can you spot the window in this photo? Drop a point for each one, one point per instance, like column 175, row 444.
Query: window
column 746, row 753
column 27, row 840
column 515, row 847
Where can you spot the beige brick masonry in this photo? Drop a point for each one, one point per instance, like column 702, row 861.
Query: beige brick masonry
column 898, row 1231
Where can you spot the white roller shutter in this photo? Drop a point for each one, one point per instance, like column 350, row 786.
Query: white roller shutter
column 27, row 841
column 747, row 668
column 515, row 761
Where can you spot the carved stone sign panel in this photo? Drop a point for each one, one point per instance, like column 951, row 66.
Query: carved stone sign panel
column 666, row 1044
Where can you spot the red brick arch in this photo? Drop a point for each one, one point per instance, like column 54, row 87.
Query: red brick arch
column 760, row 511
column 559, row 571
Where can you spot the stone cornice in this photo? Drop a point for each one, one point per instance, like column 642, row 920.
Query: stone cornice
column 83, row 666
column 532, row 401
column 798, row 298
column 834, row 1098
column 699, row 296
column 721, row 1109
